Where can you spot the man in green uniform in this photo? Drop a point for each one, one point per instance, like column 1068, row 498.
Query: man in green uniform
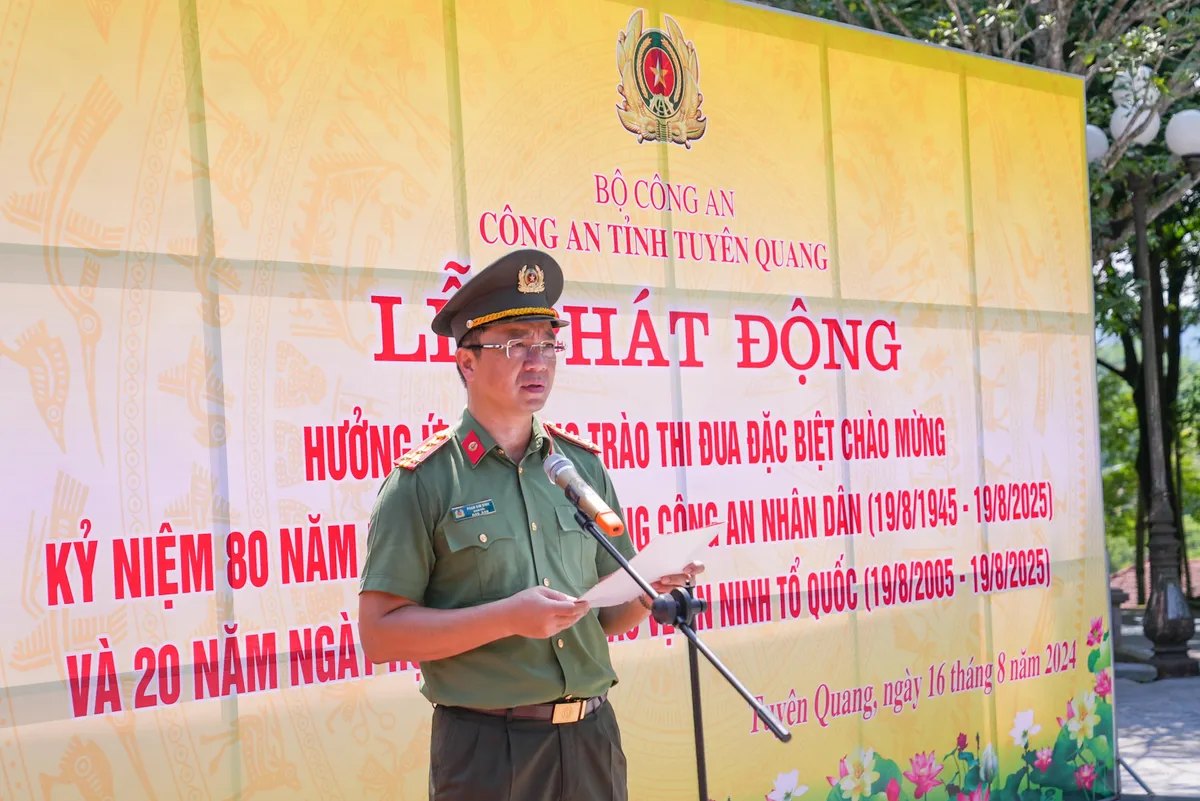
column 475, row 562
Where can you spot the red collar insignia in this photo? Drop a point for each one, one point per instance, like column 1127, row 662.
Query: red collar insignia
column 473, row 447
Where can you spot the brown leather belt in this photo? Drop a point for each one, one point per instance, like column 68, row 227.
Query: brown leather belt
column 571, row 711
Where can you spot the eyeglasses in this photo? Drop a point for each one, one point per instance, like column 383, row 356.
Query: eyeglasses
column 516, row 349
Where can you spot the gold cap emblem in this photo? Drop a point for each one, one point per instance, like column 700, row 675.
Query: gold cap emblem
column 531, row 279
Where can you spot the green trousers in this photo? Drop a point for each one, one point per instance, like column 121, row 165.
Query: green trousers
column 478, row 757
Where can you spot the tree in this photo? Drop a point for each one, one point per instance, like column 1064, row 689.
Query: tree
column 1118, row 470
column 1120, row 439
column 1174, row 266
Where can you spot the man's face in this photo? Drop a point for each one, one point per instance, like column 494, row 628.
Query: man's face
column 510, row 384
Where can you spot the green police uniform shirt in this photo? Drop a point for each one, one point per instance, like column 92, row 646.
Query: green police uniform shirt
column 466, row 524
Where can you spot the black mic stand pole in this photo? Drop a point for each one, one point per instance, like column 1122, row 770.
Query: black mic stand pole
column 679, row 609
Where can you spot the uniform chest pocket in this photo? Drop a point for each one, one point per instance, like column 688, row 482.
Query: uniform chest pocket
column 480, row 559
column 578, row 549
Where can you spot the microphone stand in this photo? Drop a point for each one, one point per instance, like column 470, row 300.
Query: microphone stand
column 679, row 609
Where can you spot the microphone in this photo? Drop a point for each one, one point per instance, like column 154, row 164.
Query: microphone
column 560, row 471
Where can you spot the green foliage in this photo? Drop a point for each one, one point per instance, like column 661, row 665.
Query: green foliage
column 1174, row 253
column 1118, row 456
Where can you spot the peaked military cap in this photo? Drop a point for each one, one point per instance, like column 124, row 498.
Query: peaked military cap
column 521, row 285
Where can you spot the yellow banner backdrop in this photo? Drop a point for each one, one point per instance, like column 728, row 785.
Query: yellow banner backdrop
column 825, row 286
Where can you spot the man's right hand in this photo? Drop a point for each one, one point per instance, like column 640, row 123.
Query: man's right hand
column 540, row 612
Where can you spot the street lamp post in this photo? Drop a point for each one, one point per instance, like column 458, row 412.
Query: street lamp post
column 1168, row 621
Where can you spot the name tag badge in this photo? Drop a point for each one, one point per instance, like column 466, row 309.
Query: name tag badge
column 478, row 509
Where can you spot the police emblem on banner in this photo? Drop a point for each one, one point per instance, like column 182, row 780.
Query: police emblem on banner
column 660, row 83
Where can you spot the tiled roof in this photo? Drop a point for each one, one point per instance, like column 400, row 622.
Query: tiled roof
column 1126, row 580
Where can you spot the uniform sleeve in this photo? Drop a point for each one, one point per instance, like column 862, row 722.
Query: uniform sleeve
column 605, row 563
column 400, row 554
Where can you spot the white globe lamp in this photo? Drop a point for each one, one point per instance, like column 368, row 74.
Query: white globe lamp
column 1097, row 143
column 1124, row 119
column 1183, row 133
column 1135, row 90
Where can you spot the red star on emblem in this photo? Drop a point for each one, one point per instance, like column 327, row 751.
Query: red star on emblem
column 658, row 72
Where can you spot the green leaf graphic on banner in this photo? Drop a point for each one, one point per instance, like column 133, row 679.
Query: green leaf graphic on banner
column 1101, row 750
column 1104, row 711
column 1099, row 659
column 1012, row 787
column 1060, row 773
column 972, row 779
column 887, row 770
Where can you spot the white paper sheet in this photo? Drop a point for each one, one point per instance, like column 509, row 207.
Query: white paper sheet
column 665, row 555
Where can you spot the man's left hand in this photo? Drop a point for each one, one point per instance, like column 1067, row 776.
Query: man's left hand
column 668, row 583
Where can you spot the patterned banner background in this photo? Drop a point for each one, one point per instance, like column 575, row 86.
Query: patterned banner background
column 827, row 287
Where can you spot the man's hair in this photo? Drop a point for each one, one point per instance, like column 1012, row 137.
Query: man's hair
column 469, row 338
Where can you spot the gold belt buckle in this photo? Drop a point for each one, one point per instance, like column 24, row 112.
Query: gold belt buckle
column 569, row 712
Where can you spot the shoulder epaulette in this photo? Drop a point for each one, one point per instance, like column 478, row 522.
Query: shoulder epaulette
column 413, row 459
column 574, row 440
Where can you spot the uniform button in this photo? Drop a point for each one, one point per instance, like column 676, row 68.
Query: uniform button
column 546, row 582
column 483, row 537
column 520, row 470
column 560, row 643
column 533, row 526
